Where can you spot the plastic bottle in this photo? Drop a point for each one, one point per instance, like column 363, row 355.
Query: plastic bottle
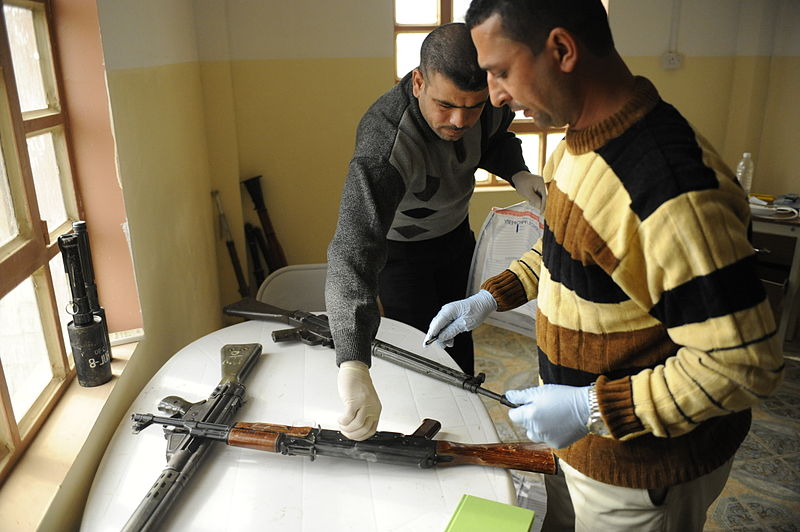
column 744, row 172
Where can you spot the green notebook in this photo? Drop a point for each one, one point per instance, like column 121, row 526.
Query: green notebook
column 475, row 514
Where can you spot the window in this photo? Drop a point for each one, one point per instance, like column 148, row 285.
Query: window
column 413, row 20
column 37, row 204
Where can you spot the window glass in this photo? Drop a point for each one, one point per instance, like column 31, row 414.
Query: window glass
column 420, row 12
column 482, row 176
column 552, row 142
column 8, row 222
column 24, row 353
column 408, row 46
column 460, row 9
column 47, row 179
column 26, row 58
column 530, row 151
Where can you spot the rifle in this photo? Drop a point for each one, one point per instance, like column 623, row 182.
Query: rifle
column 252, row 245
column 275, row 257
column 88, row 331
column 417, row 449
column 313, row 329
column 185, row 451
column 225, row 229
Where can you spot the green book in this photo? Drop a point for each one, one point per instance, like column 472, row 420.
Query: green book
column 475, row 514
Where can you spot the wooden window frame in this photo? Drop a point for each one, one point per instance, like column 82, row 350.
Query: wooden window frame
column 29, row 254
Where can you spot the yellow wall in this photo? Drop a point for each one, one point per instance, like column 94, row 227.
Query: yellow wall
column 296, row 124
column 740, row 103
column 161, row 145
column 780, row 156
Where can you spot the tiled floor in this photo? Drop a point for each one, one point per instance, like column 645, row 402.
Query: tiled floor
column 763, row 491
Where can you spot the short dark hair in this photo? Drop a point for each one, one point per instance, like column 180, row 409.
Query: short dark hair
column 449, row 51
column 531, row 21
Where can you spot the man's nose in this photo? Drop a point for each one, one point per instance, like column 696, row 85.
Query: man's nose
column 497, row 94
column 458, row 118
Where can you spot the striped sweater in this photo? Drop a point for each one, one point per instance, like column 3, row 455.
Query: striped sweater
column 646, row 283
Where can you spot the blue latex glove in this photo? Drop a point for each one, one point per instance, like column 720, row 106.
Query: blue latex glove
column 459, row 316
column 552, row 413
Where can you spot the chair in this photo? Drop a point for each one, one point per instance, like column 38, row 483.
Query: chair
column 297, row 287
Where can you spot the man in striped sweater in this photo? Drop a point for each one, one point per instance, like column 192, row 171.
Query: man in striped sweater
column 654, row 333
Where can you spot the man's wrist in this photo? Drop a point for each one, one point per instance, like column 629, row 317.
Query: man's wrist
column 595, row 423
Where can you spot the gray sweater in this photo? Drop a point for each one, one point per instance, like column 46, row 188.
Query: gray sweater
column 405, row 184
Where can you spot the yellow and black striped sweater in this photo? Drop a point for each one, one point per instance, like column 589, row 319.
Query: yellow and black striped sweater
column 646, row 283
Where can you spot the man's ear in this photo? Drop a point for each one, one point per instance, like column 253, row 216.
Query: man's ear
column 563, row 47
column 417, row 82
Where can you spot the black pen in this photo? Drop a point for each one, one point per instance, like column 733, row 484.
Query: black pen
column 431, row 340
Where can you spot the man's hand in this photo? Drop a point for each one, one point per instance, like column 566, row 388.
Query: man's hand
column 554, row 414
column 531, row 187
column 459, row 316
column 362, row 408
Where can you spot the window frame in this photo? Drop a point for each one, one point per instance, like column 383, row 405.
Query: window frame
column 28, row 255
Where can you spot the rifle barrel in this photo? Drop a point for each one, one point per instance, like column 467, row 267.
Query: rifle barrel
column 433, row 369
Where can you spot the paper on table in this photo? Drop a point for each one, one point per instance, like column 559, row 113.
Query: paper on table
column 507, row 233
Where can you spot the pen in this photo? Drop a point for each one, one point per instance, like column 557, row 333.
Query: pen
column 431, row 340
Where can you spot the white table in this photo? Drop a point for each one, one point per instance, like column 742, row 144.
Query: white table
column 295, row 384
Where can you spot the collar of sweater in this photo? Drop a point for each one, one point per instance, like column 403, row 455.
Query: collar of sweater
column 644, row 99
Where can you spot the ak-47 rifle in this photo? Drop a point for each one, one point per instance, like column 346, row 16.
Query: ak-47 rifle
column 185, row 451
column 417, row 449
column 313, row 329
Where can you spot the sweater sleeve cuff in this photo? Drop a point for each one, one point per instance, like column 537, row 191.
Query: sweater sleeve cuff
column 616, row 406
column 353, row 347
column 507, row 290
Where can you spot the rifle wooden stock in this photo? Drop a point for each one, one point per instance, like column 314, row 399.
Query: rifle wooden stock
column 526, row 456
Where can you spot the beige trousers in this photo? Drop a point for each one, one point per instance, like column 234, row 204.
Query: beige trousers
column 576, row 502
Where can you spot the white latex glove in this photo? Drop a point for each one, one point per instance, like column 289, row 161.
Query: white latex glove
column 362, row 408
column 552, row 413
column 459, row 316
column 531, row 187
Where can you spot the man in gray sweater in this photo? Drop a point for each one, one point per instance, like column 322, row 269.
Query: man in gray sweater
column 403, row 232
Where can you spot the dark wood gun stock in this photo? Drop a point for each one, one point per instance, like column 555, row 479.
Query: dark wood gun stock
column 526, row 456
column 263, row 436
